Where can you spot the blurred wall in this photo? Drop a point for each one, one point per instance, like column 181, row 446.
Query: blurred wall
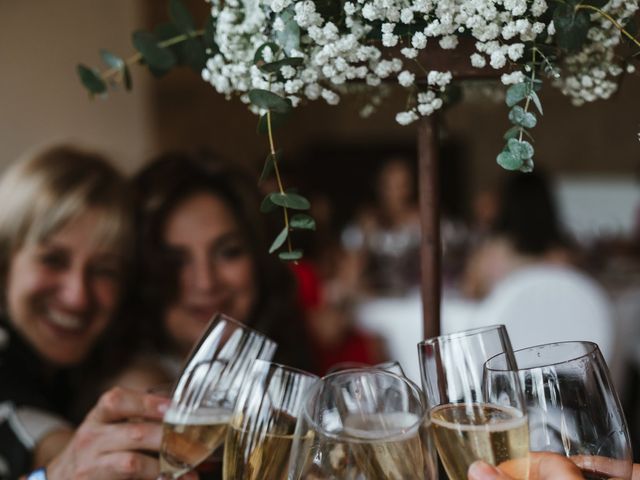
column 41, row 98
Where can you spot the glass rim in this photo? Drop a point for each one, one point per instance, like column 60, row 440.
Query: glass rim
column 592, row 347
column 219, row 315
column 461, row 334
column 282, row 366
column 411, row 384
column 384, row 366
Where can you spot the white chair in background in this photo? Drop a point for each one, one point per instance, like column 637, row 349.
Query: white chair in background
column 544, row 304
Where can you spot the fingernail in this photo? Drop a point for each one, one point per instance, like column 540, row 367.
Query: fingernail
column 482, row 471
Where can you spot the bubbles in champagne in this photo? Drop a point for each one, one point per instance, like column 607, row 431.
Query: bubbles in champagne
column 187, row 440
column 465, row 433
column 255, row 455
column 384, row 446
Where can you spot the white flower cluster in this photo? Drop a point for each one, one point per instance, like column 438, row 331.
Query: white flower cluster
column 591, row 74
column 336, row 48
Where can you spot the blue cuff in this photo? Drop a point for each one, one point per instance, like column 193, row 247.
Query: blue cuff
column 39, row 474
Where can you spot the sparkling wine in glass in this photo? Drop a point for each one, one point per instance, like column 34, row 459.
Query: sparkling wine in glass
column 262, row 427
column 469, row 422
column 204, row 396
column 192, row 428
column 363, row 424
column 572, row 406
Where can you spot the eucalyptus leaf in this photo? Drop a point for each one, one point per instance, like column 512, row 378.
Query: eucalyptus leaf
column 289, row 37
column 513, row 132
column 277, row 120
column 111, row 60
column 91, row 80
column 269, row 165
column 516, row 93
column 267, row 205
column 269, row 100
column 166, row 31
column 520, row 149
column 274, row 67
column 280, row 239
column 155, row 56
column 529, row 120
column 535, row 84
column 258, row 57
column 571, row 27
column 126, row 78
column 519, row 116
column 536, row 101
column 508, row 161
column 291, row 256
column 195, row 55
column 527, row 166
column 181, row 16
column 290, row 200
column 301, row 221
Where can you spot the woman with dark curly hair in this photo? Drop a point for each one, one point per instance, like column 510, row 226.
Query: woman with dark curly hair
column 201, row 249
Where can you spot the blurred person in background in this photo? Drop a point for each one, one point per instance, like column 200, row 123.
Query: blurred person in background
column 526, row 230
column 201, row 249
column 525, row 277
column 385, row 238
column 65, row 236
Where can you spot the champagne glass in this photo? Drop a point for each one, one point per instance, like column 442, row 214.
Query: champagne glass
column 470, row 423
column 262, row 427
column 572, row 406
column 204, row 395
column 363, row 424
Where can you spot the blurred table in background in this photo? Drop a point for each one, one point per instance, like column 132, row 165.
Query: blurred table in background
column 398, row 320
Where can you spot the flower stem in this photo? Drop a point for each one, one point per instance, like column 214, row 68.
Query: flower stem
column 277, row 172
column 611, row 19
column 135, row 58
column 528, row 101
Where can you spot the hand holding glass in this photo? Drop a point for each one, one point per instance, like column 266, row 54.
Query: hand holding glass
column 204, row 396
column 470, row 423
column 573, row 409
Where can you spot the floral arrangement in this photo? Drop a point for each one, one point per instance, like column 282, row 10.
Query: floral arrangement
column 277, row 54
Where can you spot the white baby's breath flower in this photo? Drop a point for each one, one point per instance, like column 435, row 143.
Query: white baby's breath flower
column 330, row 97
column 389, row 39
column 478, row 61
column 512, row 78
column 405, row 118
column 449, row 42
column 406, row 78
column 287, row 71
column 349, row 8
column 278, row 24
column 406, row 15
column 419, row 40
column 498, row 59
column 409, row 52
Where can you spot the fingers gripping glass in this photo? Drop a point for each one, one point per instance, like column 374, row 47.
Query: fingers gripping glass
column 572, row 407
column 203, row 399
column 470, row 422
